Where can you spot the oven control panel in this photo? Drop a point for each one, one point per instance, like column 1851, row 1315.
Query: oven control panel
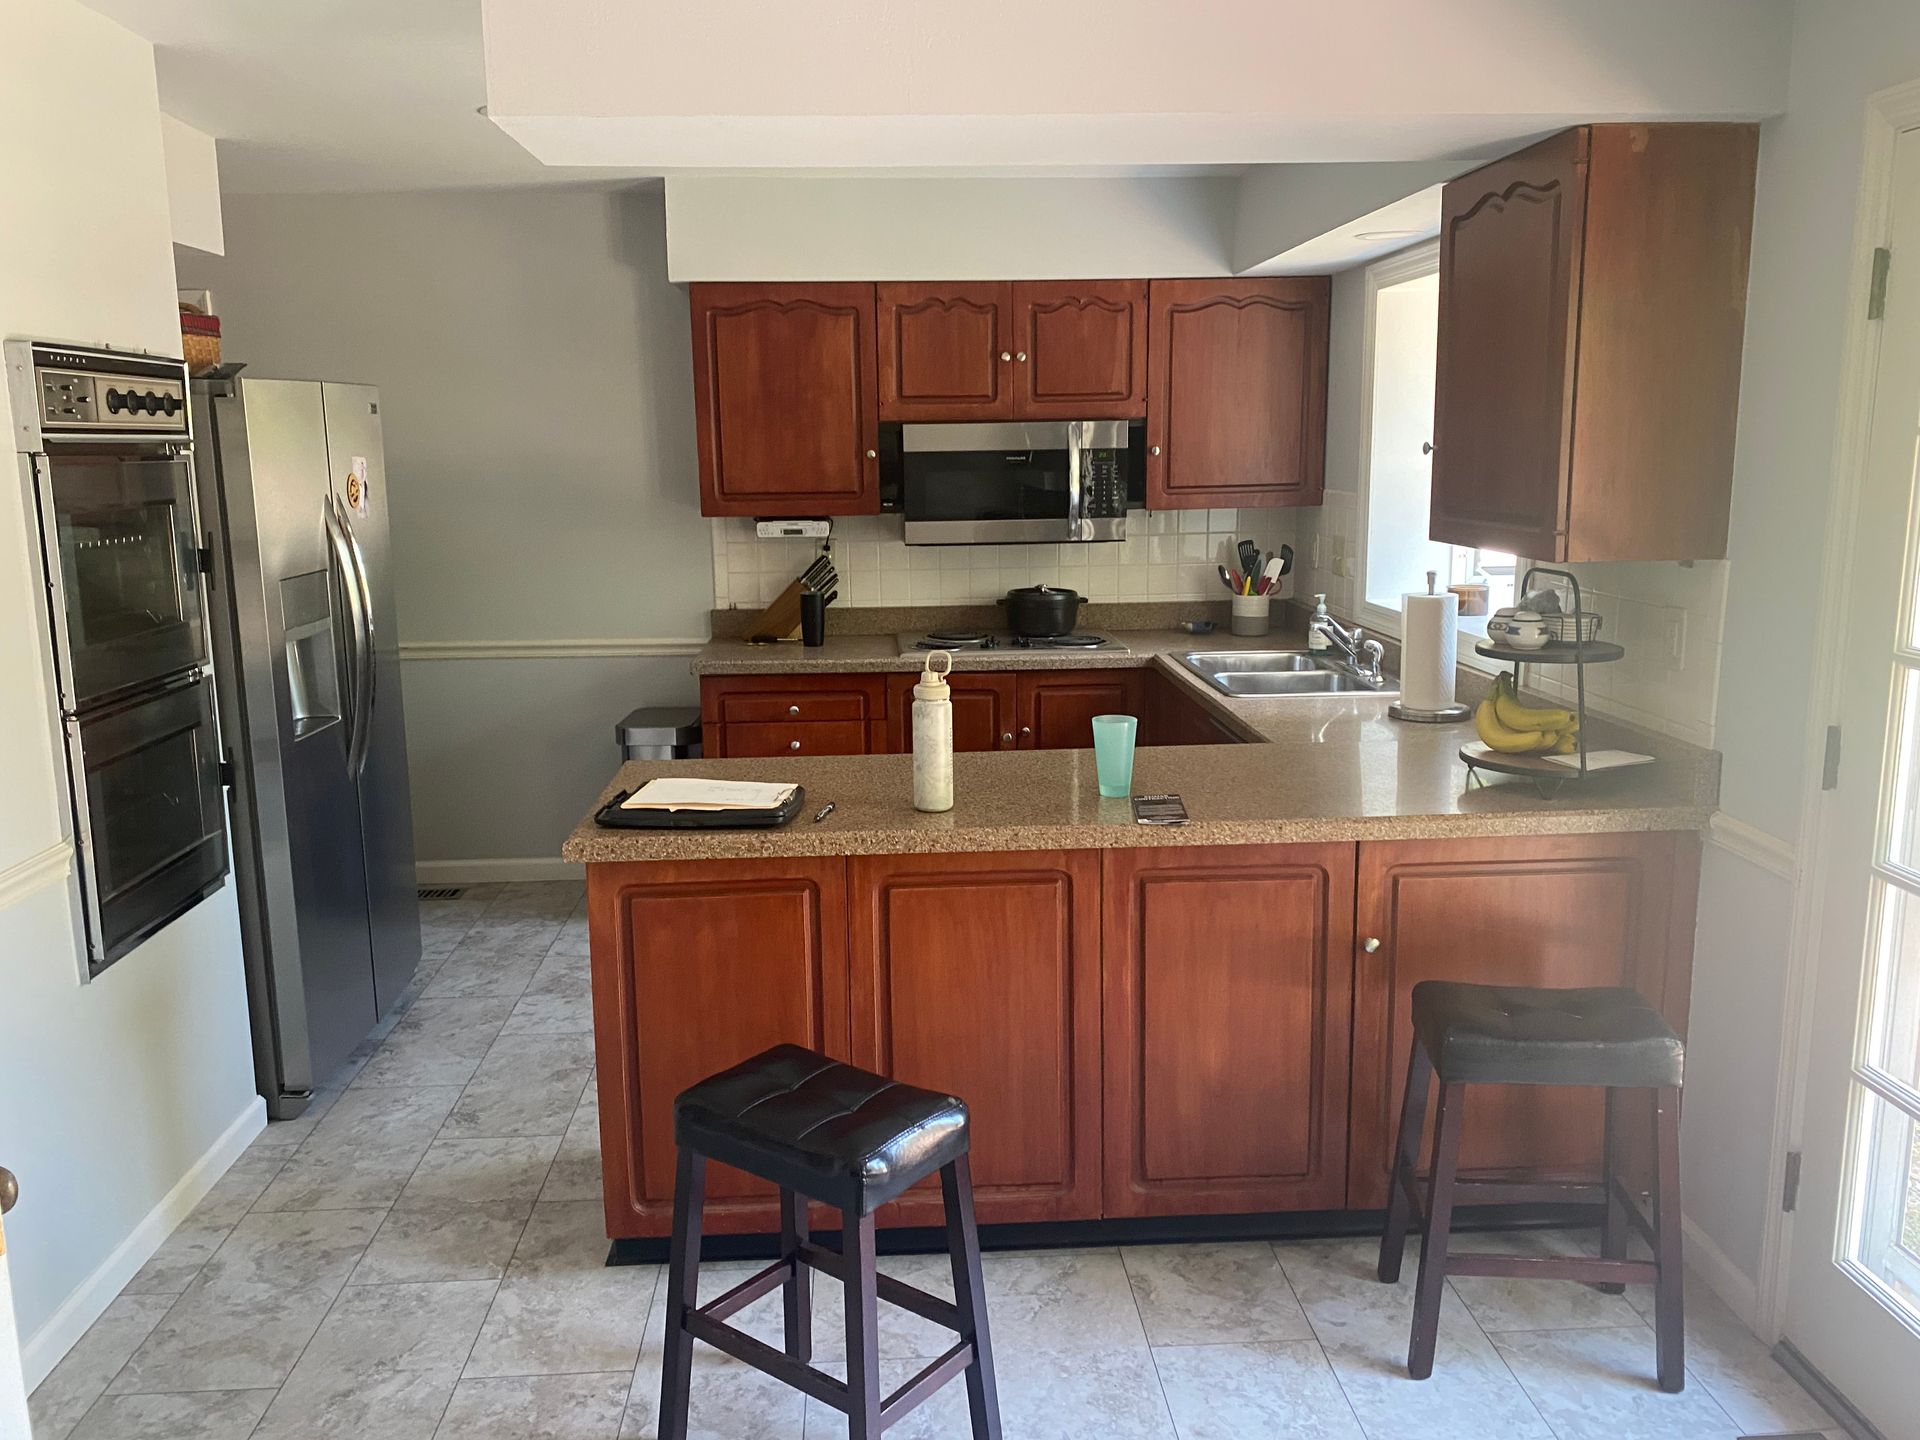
column 84, row 393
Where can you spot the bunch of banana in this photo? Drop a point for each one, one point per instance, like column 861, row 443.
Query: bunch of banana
column 1515, row 729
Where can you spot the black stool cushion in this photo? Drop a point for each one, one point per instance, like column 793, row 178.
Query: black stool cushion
column 1516, row 1035
column 844, row 1136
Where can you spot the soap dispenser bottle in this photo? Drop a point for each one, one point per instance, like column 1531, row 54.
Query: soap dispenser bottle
column 933, row 735
column 1317, row 638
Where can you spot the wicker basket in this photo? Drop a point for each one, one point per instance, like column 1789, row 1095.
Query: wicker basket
column 199, row 341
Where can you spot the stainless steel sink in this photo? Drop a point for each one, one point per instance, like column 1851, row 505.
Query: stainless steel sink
column 1268, row 673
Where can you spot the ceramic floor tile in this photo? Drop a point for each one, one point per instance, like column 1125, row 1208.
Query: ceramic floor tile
column 564, row 973
column 903, row 1335
column 1061, row 1301
column 377, row 1404
column 268, row 1250
column 209, row 1415
column 551, row 1015
column 1213, row 1294
column 538, row 1407
column 444, row 1242
column 523, row 935
column 554, row 899
column 725, row 1402
column 481, row 1172
column 468, row 974
column 1738, row 1370
column 576, row 1173
column 400, row 1327
column 1599, row 1385
column 1500, row 1304
column 82, row 1375
column 573, row 937
column 386, row 1117
column 561, row 1308
column 527, row 1085
column 234, row 1193
column 179, row 1259
column 362, row 1150
column 237, row 1339
column 1229, row 1392
column 440, row 1042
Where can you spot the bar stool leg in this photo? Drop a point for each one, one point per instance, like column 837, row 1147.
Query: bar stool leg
column 863, row 1327
column 1432, row 1285
column 683, row 1288
column 1406, row 1153
column 798, row 1287
column 1669, row 1291
column 1613, row 1233
column 970, row 1295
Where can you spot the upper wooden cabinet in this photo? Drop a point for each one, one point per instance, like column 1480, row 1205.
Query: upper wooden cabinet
column 1592, row 309
column 785, row 399
column 1066, row 350
column 1237, row 392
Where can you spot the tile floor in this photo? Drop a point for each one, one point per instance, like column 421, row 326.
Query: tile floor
column 420, row 1255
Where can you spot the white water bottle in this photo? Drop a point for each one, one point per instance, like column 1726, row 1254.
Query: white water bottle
column 933, row 736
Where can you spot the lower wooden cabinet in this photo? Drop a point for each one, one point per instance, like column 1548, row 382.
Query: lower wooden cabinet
column 1056, row 708
column 980, row 975
column 695, row 967
column 1553, row 910
column 1227, row 979
column 984, row 704
column 764, row 715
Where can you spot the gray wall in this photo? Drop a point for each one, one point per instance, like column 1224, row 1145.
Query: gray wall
column 536, row 384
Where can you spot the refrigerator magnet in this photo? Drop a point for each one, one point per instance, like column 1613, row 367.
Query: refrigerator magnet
column 358, row 498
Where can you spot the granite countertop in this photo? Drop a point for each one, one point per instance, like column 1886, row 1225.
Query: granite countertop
column 1320, row 769
column 855, row 654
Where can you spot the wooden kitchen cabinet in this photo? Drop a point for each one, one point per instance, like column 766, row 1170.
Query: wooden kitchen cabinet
column 1237, row 392
column 1592, row 312
column 1560, row 911
column 1080, row 349
column 749, row 715
column 1055, row 708
column 1228, row 975
column 946, row 351
column 695, row 968
column 980, row 975
column 786, row 404
column 984, row 705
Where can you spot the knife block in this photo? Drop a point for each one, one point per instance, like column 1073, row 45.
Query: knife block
column 780, row 620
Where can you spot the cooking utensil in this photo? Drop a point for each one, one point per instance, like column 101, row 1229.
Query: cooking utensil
column 1286, row 559
column 1041, row 611
column 1270, row 577
column 1249, row 558
column 1226, row 577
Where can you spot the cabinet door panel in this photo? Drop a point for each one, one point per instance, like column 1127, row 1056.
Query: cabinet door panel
column 697, row 967
column 1510, row 245
column 983, row 709
column 1227, row 980
column 1085, row 344
column 940, row 349
column 1238, row 382
column 980, row 975
column 785, row 399
column 1556, row 911
column 1056, row 710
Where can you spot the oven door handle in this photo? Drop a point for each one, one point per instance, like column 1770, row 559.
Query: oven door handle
column 363, row 689
column 356, row 629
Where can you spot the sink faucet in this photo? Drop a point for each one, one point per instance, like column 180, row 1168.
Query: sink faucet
column 1354, row 644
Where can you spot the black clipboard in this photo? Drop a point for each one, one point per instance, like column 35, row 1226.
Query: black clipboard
column 612, row 817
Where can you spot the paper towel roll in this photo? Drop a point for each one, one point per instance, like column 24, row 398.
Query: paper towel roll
column 1427, row 628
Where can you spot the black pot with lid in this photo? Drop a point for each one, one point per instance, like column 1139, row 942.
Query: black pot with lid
column 1041, row 611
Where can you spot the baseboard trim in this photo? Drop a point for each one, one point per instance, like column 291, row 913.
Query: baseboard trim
column 1726, row 1279
column 62, row 1329
column 488, row 872
column 35, row 873
column 1821, row 1388
column 1757, row 847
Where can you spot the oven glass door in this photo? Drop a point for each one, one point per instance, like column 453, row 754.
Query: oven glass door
column 126, row 556
column 154, row 817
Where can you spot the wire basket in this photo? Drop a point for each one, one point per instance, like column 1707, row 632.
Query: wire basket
column 1567, row 629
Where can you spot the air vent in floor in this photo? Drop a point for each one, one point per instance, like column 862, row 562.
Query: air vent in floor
column 441, row 892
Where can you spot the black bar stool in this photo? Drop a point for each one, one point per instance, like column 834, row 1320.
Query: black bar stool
column 1510, row 1035
column 826, row 1131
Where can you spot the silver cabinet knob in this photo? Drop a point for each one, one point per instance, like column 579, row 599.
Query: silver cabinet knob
column 793, row 709
column 1153, row 449
column 1006, row 737
column 1426, row 447
column 1371, row 944
column 1006, row 355
column 1026, row 730
column 873, row 454
column 9, row 1190
column 793, row 745
column 1021, row 357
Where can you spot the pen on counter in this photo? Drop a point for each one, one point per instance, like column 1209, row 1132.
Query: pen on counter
column 824, row 811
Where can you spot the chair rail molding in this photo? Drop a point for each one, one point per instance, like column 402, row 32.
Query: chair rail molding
column 564, row 649
column 36, row 872
column 1759, row 848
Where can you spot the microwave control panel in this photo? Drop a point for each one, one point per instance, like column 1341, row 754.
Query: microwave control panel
column 1104, row 484
column 84, row 393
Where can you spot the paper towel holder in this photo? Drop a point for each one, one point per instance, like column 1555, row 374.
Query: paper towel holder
column 1446, row 715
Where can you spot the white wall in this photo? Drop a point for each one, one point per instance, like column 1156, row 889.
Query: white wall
column 119, row 1100
column 826, row 228
column 193, row 185
column 536, row 390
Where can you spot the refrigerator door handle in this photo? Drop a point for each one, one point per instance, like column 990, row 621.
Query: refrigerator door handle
column 356, row 628
column 363, row 689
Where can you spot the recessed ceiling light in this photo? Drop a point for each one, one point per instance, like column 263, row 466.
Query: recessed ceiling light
column 1385, row 234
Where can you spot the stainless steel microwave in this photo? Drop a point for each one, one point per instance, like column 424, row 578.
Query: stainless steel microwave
column 1016, row 482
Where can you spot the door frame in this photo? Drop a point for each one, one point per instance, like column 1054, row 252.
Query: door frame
column 1889, row 112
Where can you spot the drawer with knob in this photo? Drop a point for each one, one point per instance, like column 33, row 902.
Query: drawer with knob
column 823, row 737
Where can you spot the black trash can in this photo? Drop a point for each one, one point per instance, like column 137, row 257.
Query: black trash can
column 661, row 732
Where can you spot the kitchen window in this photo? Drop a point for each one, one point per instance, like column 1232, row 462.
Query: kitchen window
column 1396, row 468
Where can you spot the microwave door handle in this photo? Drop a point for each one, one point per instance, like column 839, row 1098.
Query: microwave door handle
column 1076, row 504
column 352, row 632
column 363, row 689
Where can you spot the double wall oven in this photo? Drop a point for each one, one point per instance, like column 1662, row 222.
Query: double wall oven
column 104, row 443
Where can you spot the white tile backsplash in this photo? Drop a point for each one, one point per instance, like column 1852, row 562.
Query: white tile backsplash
column 1169, row 555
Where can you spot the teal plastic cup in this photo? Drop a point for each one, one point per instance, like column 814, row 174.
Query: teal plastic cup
column 1113, row 737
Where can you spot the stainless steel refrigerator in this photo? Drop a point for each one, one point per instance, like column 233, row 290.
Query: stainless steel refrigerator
column 293, row 491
